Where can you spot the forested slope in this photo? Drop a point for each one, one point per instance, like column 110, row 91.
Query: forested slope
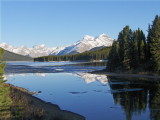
column 100, row 54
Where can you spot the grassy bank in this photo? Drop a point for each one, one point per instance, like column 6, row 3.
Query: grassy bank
column 5, row 102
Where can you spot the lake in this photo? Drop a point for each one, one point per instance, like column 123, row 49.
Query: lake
column 96, row 97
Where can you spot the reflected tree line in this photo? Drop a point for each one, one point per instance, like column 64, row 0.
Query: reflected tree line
column 136, row 95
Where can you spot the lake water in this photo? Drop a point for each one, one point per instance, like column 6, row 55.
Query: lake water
column 96, row 97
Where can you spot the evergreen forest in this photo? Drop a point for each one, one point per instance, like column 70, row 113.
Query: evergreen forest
column 134, row 51
column 100, row 54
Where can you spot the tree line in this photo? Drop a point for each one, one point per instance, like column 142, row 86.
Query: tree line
column 100, row 54
column 133, row 51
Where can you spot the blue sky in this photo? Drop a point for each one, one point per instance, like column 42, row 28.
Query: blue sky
column 61, row 23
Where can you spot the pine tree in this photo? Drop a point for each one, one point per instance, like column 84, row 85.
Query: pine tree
column 134, row 51
column 155, row 44
column 141, row 46
column 148, row 43
column 114, row 58
column 124, row 38
column 137, row 49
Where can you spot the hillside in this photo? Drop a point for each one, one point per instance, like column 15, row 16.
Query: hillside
column 100, row 54
column 9, row 56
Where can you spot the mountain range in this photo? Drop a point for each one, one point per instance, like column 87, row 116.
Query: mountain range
column 86, row 44
column 35, row 51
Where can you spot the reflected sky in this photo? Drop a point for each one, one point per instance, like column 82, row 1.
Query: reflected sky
column 68, row 91
column 82, row 93
column 97, row 97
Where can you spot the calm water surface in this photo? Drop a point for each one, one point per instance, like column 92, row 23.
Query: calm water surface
column 30, row 63
column 97, row 97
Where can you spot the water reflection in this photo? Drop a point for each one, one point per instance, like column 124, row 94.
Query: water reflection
column 138, row 98
column 17, row 103
column 68, row 91
column 135, row 94
column 97, row 97
column 154, row 100
column 87, row 77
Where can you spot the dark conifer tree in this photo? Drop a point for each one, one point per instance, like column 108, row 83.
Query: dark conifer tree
column 114, row 58
column 154, row 44
column 134, row 51
column 124, row 37
column 141, row 46
column 148, row 44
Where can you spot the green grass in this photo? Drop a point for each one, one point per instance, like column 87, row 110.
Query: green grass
column 5, row 102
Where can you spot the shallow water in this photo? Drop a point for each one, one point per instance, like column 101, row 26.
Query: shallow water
column 96, row 97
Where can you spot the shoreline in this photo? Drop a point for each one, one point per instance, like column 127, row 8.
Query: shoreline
column 26, row 106
column 103, row 72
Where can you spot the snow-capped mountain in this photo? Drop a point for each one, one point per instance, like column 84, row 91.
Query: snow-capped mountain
column 35, row 51
column 57, row 50
column 86, row 44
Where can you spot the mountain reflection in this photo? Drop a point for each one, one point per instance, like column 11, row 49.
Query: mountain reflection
column 135, row 95
column 87, row 77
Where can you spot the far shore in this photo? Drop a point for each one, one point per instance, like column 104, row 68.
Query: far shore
column 104, row 72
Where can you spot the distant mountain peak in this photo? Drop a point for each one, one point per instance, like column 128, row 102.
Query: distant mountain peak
column 87, row 43
column 88, row 37
column 103, row 36
column 39, row 46
column 3, row 44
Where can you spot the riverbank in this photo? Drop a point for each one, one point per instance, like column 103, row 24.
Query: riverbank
column 22, row 105
column 125, row 74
